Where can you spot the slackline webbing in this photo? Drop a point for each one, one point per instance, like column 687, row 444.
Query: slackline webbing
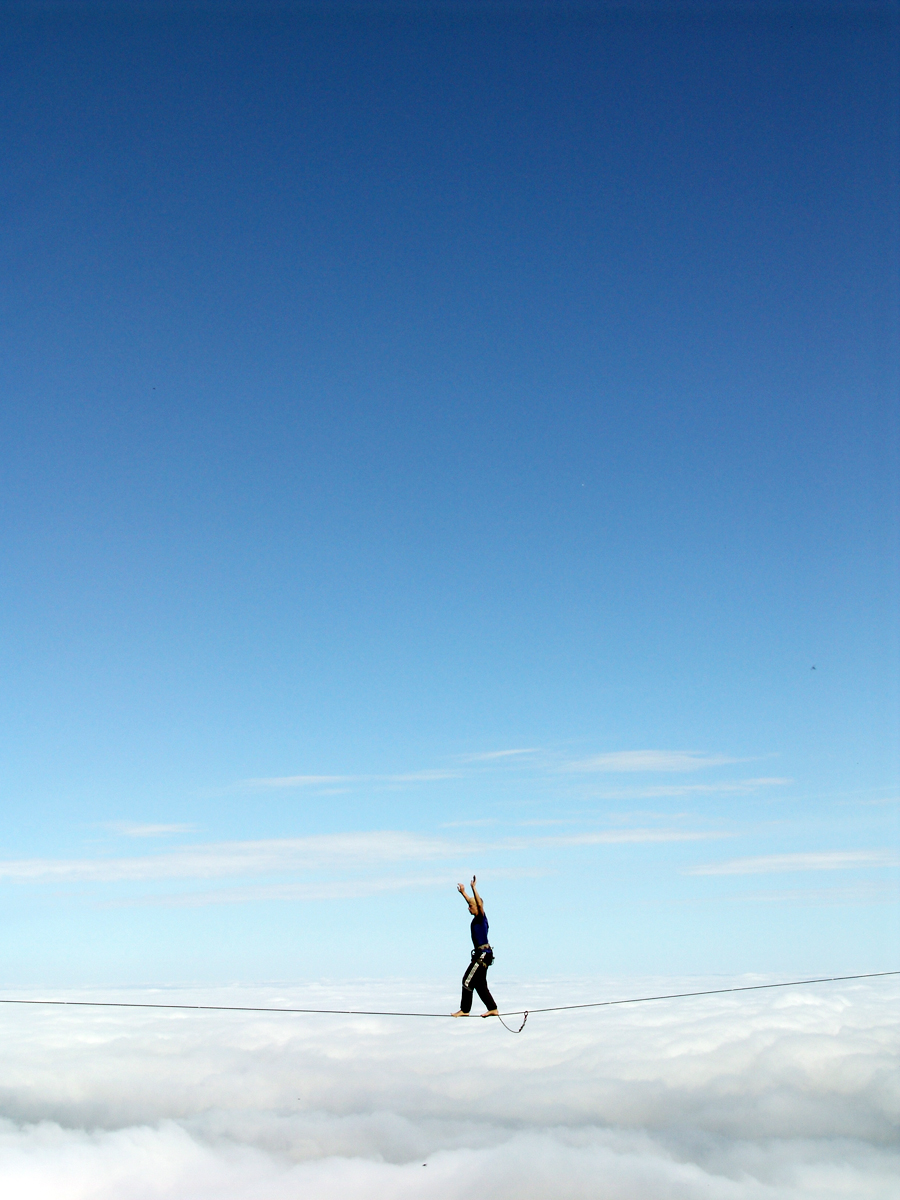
column 363, row 1012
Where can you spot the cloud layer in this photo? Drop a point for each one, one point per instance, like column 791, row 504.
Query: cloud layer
column 774, row 1095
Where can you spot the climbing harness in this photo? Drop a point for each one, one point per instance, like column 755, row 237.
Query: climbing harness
column 482, row 956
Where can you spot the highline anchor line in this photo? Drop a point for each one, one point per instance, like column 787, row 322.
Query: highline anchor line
column 519, row 1012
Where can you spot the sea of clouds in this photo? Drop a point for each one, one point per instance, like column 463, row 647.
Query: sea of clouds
column 774, row 1094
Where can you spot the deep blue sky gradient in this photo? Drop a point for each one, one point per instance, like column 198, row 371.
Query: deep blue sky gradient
column 386, row 388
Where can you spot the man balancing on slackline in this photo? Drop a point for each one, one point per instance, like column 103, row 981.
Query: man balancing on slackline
column 482, row 957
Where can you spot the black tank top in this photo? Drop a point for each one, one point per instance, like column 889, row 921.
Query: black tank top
column 479, row 930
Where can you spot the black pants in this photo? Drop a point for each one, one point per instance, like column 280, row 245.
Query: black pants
column 476, row 978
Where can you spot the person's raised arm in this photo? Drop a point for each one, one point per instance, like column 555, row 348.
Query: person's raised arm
column 479, row 903
column 461, row 888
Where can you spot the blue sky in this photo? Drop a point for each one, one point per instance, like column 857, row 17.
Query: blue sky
column 448, row 439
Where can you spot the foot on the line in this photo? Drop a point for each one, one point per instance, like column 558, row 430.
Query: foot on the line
column 459, row 1014
column 491, row 1013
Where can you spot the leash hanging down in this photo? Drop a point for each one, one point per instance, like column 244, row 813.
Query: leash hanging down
column 521, row 1027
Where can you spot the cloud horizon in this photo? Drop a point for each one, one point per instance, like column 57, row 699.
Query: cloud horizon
column 137, row 1105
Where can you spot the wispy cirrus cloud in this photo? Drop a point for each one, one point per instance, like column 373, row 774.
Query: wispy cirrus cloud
column 224, row 859
column 299, row 781
column 418, row 776
column 624, row 761
column 492, row 755
column 320, row 889
column 129, row 829
column 614, row 762
column 614, row 837
column 735, row 787
column 337, row 852
column 304, row 781
column 469, row 824
column 828, row 860
column 323, row 889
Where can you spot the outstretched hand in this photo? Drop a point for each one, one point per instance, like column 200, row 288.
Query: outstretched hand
column 461, row 888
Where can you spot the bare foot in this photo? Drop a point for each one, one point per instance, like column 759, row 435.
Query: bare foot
column 491, row 1013
column 459, row 1014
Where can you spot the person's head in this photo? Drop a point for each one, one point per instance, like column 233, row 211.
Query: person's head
column 473, row 908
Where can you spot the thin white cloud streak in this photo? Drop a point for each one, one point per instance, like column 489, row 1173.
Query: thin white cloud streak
column 491, row 755
column 428, row 775
column 341, row 851
column 478, row 821
column 542, row 821
column 417, row 776
column 734, row 787
column 338, row 889
column 302, row 781
column 615, row 762
column 637, row 814
column 829, row 860
column 222, row 859
column 125, row 829
column 624, row 761
column 763, row 1096
column 294, row 781
column 616, row 837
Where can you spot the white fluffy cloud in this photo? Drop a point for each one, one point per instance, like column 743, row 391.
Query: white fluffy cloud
column 777, row 1095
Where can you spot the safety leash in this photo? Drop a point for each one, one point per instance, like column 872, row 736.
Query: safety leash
column 521, row 1027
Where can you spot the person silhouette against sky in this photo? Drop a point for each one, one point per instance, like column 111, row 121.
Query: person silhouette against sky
column 475, row 977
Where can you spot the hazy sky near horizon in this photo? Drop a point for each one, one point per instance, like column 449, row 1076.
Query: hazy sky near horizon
column 443, row 439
